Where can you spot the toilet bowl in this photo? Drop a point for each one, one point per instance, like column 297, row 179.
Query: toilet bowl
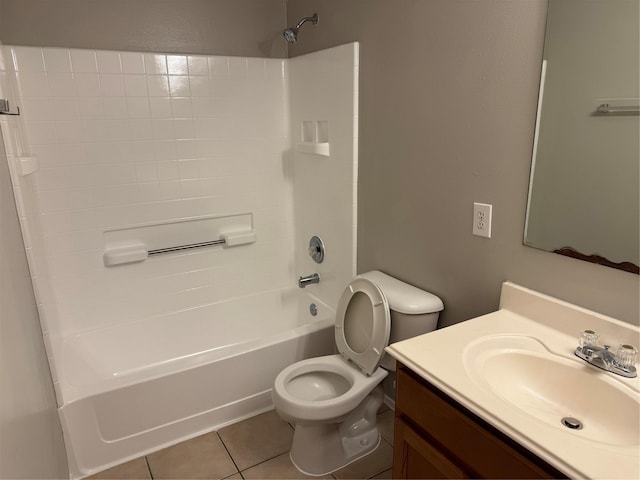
column 322, row 388
column 333, row 400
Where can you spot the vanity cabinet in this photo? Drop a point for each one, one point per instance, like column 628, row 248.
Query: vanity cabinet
column 435, row 437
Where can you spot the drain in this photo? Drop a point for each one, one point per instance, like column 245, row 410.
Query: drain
column 572, row 423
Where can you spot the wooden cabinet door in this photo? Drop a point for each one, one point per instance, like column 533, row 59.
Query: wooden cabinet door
column 437, row 438
column 415, row 457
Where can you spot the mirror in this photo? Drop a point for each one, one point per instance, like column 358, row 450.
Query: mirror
column 584, row 194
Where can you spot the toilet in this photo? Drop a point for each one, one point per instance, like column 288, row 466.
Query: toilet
column 333, row 400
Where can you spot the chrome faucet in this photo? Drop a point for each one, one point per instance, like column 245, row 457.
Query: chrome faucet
column 308, row 280
column 622, row 362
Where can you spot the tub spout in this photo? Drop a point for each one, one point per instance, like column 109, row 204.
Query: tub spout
column 308, row 280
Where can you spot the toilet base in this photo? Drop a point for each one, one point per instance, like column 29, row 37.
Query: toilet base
column 321, row 448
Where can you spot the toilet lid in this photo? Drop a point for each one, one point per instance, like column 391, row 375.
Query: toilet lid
column 363, row 324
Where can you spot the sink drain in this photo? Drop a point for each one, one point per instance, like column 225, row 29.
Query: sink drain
column 572, row 423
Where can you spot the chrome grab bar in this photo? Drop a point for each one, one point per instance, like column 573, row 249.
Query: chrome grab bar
column 158, row 251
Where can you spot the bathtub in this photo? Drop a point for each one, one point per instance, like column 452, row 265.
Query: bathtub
column 135, row 388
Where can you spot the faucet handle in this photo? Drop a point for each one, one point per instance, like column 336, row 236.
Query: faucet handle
column 588, row 338
column 626, row 355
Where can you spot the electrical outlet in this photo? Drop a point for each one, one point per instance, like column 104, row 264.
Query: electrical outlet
column 482, row 219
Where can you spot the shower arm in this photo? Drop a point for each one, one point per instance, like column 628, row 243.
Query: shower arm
column 313, row 19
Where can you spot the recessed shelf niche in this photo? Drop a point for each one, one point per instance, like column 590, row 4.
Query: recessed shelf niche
column 315, row 137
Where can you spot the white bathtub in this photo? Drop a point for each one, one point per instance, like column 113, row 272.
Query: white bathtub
column 133, row 389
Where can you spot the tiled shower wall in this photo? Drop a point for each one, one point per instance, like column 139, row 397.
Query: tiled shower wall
column 324, row 89
column 125, row 138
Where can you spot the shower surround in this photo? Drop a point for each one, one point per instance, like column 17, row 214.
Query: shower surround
column 111, row 144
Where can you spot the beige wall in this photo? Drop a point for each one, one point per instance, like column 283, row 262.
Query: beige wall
column 225, row 27
column 448, row 92
column 1, row 22
column 31, row 444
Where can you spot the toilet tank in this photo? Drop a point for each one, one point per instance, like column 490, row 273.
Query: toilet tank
column 413, row 311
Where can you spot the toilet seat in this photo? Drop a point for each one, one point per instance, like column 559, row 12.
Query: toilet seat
column 363, row 324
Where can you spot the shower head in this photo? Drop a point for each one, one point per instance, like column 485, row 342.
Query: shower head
column 291, row 34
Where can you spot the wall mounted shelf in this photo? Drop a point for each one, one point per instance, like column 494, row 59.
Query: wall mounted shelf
column 314, row 148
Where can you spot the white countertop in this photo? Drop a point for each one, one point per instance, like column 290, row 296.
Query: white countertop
column 441, row 358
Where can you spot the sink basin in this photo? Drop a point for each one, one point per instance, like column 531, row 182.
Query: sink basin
column 521, row 371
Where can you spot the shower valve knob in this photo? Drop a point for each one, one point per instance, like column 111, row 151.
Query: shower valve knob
column 316, row 249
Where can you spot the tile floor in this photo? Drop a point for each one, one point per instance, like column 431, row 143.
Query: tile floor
column 252, row 449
